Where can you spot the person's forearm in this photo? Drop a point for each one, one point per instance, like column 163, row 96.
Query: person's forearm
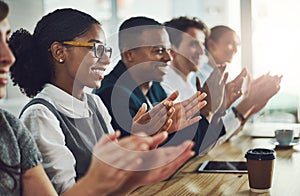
column 83, row 187
column 89, row 187
column 36, row 182
column 245, row 109
column 207, row 114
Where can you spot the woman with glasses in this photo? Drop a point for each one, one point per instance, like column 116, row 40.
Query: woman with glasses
column 66, row 53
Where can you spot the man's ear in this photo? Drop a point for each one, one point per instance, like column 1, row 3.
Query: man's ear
column 128, row 54
column 173, row 51
column 210, row 44
column 57, row 51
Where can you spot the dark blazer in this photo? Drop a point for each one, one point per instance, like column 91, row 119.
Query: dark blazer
column 123, row 98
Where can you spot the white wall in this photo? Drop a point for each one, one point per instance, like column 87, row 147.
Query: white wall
column 212, row 12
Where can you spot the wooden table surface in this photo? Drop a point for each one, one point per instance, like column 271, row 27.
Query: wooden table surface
column 286, row 176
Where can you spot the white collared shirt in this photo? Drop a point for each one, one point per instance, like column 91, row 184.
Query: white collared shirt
column 203, row 74
column 58, row 160
column 173, row 81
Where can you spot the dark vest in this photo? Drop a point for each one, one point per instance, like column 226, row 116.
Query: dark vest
column 81, row 134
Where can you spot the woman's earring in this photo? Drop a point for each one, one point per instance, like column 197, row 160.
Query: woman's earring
column 61, row 60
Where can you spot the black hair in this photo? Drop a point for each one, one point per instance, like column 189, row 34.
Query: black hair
column 3, row 10
column 33, row 67
column 177, row 26
column 217, row 32
column 131, row 28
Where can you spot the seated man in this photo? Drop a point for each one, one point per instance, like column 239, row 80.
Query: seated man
column 144, row 45
column 187, row 36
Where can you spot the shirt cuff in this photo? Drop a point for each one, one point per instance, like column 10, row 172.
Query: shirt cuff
column 231, row 124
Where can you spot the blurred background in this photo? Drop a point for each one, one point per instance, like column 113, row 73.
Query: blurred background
column 269, row 32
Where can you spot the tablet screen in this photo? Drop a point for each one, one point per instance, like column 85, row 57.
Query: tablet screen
column 223, row 167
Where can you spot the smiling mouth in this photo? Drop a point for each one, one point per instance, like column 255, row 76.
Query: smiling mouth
column 3, row 79
column 3, row 76
column 98, row 71
column 162, row 69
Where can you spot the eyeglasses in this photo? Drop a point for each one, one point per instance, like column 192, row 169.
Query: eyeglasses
column 99, row 48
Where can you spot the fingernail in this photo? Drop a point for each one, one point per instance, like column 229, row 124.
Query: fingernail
column 192, row 153
column 171, row 110
column 165, row 103
column 144, row 146
column 165, row 133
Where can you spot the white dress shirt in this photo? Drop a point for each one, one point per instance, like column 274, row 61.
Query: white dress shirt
column 203, row 74
column 58, row 160
column 173, row 81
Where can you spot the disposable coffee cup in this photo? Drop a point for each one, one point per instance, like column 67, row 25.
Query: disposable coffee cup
column 260, row 165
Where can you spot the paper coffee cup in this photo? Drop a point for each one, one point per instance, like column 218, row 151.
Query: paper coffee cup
column 260, row 165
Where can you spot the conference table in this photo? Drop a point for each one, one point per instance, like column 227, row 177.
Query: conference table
column 188, row 181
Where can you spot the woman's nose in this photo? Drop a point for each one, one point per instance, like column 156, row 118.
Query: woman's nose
column 6, row 56
column 105, row 59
